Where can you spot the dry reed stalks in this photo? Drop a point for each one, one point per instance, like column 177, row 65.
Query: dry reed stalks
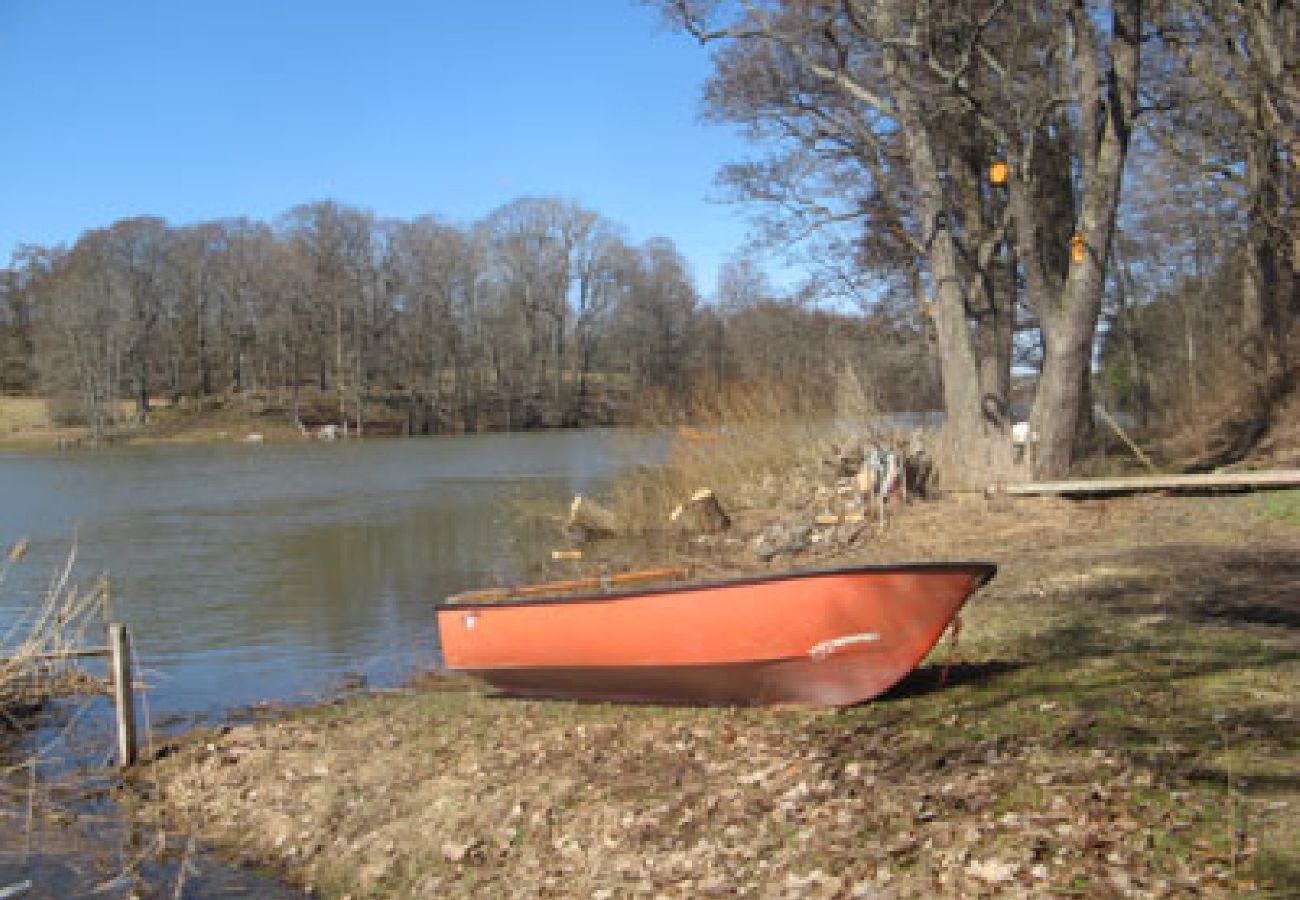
column 747, row 432
column 37, row 660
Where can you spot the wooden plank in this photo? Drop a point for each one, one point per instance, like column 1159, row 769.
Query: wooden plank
column 119, row 645
column 1275, row 478
column 594, row 583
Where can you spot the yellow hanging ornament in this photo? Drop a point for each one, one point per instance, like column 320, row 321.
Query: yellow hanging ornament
column 1076, row 248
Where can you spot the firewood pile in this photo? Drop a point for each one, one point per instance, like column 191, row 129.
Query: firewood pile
column 839, row 496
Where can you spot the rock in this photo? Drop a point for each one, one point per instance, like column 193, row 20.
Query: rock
column 782, row 539
column 992, row 871
column 461, row 851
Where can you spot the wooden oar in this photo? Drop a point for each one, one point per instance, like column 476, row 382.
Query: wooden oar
column 596, row 582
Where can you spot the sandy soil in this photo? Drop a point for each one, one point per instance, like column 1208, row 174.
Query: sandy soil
column 1119, row 719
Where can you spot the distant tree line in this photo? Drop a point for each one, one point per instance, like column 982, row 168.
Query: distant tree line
column 528, row 318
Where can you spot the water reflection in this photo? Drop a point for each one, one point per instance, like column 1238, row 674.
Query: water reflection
column 251, row 573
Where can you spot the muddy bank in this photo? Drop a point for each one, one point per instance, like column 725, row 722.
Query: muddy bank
column 62, row 836
column 1120, row 719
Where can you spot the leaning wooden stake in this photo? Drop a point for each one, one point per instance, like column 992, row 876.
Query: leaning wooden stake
column 119, row 649
column 1137, row 451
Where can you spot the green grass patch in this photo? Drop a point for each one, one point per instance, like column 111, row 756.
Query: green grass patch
column 1283, row 506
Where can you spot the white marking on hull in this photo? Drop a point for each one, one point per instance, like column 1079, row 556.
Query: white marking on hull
column 826, row 648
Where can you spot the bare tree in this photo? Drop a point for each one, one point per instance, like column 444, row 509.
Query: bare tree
column 1050, row 89
column 1235, row 103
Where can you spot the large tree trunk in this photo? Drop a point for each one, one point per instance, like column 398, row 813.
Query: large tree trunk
column 1062, row 391
column 1069, row 307
column 975, row 446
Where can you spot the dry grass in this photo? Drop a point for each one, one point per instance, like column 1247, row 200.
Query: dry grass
column 23, row 413
column 35, row 664
column 746, row 434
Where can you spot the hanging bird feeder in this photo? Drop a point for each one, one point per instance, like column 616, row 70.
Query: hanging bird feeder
column 1076, row 248
column 998, row 172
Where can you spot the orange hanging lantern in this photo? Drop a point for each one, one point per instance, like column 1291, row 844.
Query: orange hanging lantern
column 998, row 172
column 1076, row 248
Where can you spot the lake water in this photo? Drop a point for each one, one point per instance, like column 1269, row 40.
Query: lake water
column 272, row 572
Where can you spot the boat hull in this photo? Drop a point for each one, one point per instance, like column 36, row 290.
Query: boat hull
column 831, row 637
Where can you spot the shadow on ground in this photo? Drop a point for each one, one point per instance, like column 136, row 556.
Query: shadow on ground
column 936, row 678
column 1238, row 585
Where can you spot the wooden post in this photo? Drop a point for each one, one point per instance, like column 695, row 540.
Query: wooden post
column 119, row 651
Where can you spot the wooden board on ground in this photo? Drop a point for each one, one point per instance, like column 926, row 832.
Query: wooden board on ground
column 1277, row 478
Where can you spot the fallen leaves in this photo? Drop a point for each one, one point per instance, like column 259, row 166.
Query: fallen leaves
column 539, row 805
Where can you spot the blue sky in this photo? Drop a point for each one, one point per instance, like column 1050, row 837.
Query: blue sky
column 197, row 110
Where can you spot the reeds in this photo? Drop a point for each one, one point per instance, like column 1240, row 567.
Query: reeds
column 746, row 435
column 39, row 648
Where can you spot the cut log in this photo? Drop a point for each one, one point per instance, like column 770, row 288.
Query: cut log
column 589, row 520
column 845, row 518
column 702, row 514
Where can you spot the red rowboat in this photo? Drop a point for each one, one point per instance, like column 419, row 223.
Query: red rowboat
column 829, row 637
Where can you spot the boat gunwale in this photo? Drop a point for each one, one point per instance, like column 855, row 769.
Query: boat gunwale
column 985, row 571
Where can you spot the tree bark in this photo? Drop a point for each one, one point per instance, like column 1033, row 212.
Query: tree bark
column 972, row 444
column 1068, row 318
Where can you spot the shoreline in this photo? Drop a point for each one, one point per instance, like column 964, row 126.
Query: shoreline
column 27, row 423
column 1117, row 708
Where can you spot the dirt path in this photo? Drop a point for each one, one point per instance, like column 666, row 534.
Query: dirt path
column 1122, row 720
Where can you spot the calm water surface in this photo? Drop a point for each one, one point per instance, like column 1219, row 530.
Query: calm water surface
column 252, row 573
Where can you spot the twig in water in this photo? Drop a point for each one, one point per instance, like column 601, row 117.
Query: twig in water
column 31, row 808
column 128, row 873
column 185, row 867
